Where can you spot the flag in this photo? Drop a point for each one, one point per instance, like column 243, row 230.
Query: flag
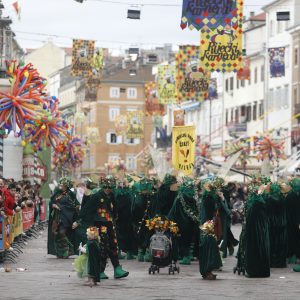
column 135, row 125
column 245, row 72
column 192, row 81
column 121, row 124
column 221, row 48
column 277, row 62
column 183, row 148
column 206, row 14
column 166, row 84
column 82, row 58
column 153, row 107
column 17, row 8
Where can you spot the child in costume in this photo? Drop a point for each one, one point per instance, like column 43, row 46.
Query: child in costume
column 88, row 264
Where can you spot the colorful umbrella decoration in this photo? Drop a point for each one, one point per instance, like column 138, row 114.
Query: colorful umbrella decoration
column 238, row 146
column 267, row 148
column 21, row 103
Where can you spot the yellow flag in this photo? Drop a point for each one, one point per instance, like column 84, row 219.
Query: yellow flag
column 183, row 148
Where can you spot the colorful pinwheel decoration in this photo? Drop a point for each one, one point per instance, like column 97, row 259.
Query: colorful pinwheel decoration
column 241, row 146
column 24, row 98
column 268, row 148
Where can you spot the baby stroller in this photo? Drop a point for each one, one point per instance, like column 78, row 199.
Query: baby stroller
column 162, row 253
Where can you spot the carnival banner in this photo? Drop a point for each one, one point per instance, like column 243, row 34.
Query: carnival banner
column 203, row 14
column 277, row 62
column 153, row 107
column 192, row 81
column 183, row 148
column 245, row 72
column 121, row 124
column 135, row 125
column 166, row 84
column 83, row 58
column 178, row 117
column 221, row 49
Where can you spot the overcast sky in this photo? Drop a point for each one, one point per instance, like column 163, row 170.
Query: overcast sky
column 104, row 22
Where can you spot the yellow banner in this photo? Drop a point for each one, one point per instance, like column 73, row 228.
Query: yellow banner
column 192, row 81
column 17, row 224
column 135, row 125
column 221, row 48
column 166, row 84
column 183, row 148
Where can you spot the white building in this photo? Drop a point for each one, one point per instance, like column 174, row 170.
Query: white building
column 279, row 89
column 244, row 99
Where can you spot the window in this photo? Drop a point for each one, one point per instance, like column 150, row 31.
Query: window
column 114, row 92
column 130, row 162
column 271, row 28
column 248, row 113
column 113, row 113
column 254, row 113
column 226, row 85
column 122, row 90
column 237, row 84
column 112, row 158
column 296, row 57
column 226, row 117
column 231, row 115
column 231, row 83
column 285, row 102
column 261, row 109
column 132, row 141
column 262, row 73
column 112, row 138
column 255, row 75
column 236, row 119
column 243, row 83
column 131, row 93
column 295, row 100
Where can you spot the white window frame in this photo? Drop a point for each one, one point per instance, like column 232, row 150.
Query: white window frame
column 135, row 141
column 112, row 158
column 114, row 92
column 296, row 48
column 131, row 163
column 132, row 93
column 119, row 138
column 113, row 112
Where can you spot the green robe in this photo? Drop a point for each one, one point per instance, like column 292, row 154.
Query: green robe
column 276, row 208
column 257, row 238
column 61, row 239
column 293, row 222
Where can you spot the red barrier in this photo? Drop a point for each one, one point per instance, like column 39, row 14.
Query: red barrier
column 43, row 211
column 28, row 217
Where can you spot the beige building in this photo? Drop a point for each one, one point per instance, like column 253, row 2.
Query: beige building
column 49, row 58
column 118, row 94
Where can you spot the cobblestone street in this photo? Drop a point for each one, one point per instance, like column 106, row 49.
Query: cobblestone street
column 49, row 278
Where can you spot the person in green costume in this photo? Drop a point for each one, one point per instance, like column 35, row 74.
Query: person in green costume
column 209, row 253
column 99, row 209
column 142, row 209
column 257, row 237
column 276, row 209
column 124, row 225
column 89, row 263
column 167, row 192
column 63, row 211
column 185, row 213
column 293, row 222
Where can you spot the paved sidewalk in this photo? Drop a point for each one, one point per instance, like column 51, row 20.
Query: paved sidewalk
column 49, row 278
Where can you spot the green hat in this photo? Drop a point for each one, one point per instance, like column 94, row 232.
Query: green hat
column 295, row 184
column 66, row 181
column 107, row 182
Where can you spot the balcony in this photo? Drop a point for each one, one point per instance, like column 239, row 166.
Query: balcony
column 237, row 128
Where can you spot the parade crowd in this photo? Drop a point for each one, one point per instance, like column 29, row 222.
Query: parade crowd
column 21, row 206
column 115, row 216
